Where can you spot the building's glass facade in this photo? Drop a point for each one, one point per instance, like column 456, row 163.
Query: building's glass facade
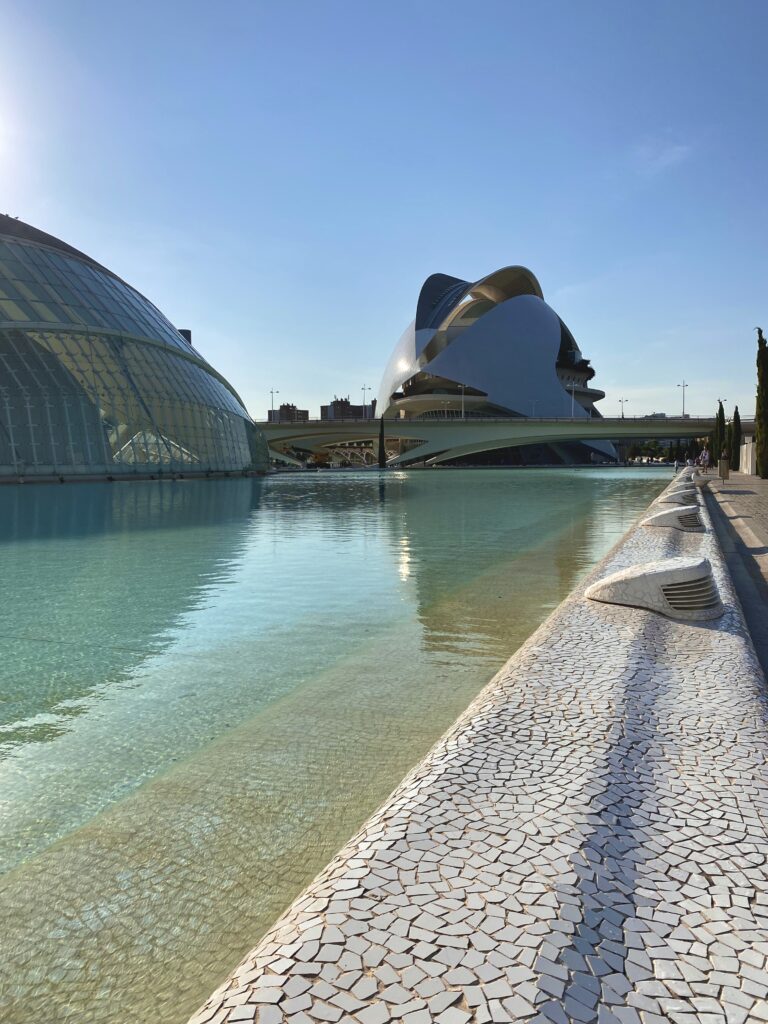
column 94, row 380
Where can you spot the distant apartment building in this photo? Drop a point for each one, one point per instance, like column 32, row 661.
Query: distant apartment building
column 288, row 413
column 342, row 409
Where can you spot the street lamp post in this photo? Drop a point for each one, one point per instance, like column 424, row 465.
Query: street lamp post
column 364, row 389
column 273, row 392
column 622, row 402
column 683, row 386
column 462, row 386
column 572, row 389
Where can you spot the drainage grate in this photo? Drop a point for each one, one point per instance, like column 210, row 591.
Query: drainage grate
column 690, row 520
column 685, row 517
column 692, row 595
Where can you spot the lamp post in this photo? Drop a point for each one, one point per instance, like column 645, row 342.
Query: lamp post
column 533, row 408
column 572, row 389
column 622, row 402
column 683, row 386
column 462, row 386
column 364, row 389
column 273, row 392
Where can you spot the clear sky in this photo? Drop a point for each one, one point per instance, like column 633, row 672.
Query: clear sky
column 281, row 177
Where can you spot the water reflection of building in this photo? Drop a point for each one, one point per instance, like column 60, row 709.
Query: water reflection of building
column 467, row 565
column 97, row 382
column 446, row 549
column 109, row 600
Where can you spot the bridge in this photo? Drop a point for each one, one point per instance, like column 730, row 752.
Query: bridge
column 437, row 440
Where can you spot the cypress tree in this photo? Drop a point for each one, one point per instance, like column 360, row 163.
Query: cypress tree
column 761, row 407
column 719, row 433
column 382, row 452
column 736, row 439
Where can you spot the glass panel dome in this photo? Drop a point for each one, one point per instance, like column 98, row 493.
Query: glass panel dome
column 94, row 380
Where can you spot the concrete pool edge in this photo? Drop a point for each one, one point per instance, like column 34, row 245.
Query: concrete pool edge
column 464, row 828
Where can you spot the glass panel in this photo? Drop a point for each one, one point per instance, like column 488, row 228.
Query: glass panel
column 97, row 403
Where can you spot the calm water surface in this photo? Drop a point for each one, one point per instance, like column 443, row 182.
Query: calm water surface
column 206, row 687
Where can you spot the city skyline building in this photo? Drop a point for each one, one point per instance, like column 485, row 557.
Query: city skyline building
column 287, row 413
column 96, row 382
column 343, row 409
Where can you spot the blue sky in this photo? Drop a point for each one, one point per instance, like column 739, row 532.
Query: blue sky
column 281, row 177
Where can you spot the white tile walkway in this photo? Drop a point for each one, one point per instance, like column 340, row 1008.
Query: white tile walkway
column 588, row 843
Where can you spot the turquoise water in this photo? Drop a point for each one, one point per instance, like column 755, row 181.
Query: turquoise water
column 207, row 686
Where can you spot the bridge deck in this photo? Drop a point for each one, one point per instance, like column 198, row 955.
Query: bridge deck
column 441, row 439
column 588, row 843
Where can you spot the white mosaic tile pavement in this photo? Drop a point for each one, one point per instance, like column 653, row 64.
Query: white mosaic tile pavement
column 587, row 843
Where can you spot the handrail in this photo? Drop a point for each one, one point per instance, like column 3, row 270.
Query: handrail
column 613, row 420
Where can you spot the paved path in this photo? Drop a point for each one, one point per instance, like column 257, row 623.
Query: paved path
column 589, row 843
column 740, row 507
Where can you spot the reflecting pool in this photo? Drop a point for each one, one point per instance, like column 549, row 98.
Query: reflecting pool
column 206, row 687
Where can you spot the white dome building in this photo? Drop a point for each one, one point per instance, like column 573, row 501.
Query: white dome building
column 95, row 382
column 490, row 349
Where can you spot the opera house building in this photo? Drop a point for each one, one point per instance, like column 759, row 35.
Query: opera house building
column 491, row 349
column 96, row 382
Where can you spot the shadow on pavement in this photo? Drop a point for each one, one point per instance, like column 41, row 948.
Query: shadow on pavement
column 748, row 579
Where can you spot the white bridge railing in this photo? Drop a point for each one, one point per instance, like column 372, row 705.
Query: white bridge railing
column 655, row 421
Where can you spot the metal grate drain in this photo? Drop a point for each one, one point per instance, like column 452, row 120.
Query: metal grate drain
column 690, row 520
column 685, row 518
column 692, row 594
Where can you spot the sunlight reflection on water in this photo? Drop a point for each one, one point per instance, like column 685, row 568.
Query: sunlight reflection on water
column 207, row 686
